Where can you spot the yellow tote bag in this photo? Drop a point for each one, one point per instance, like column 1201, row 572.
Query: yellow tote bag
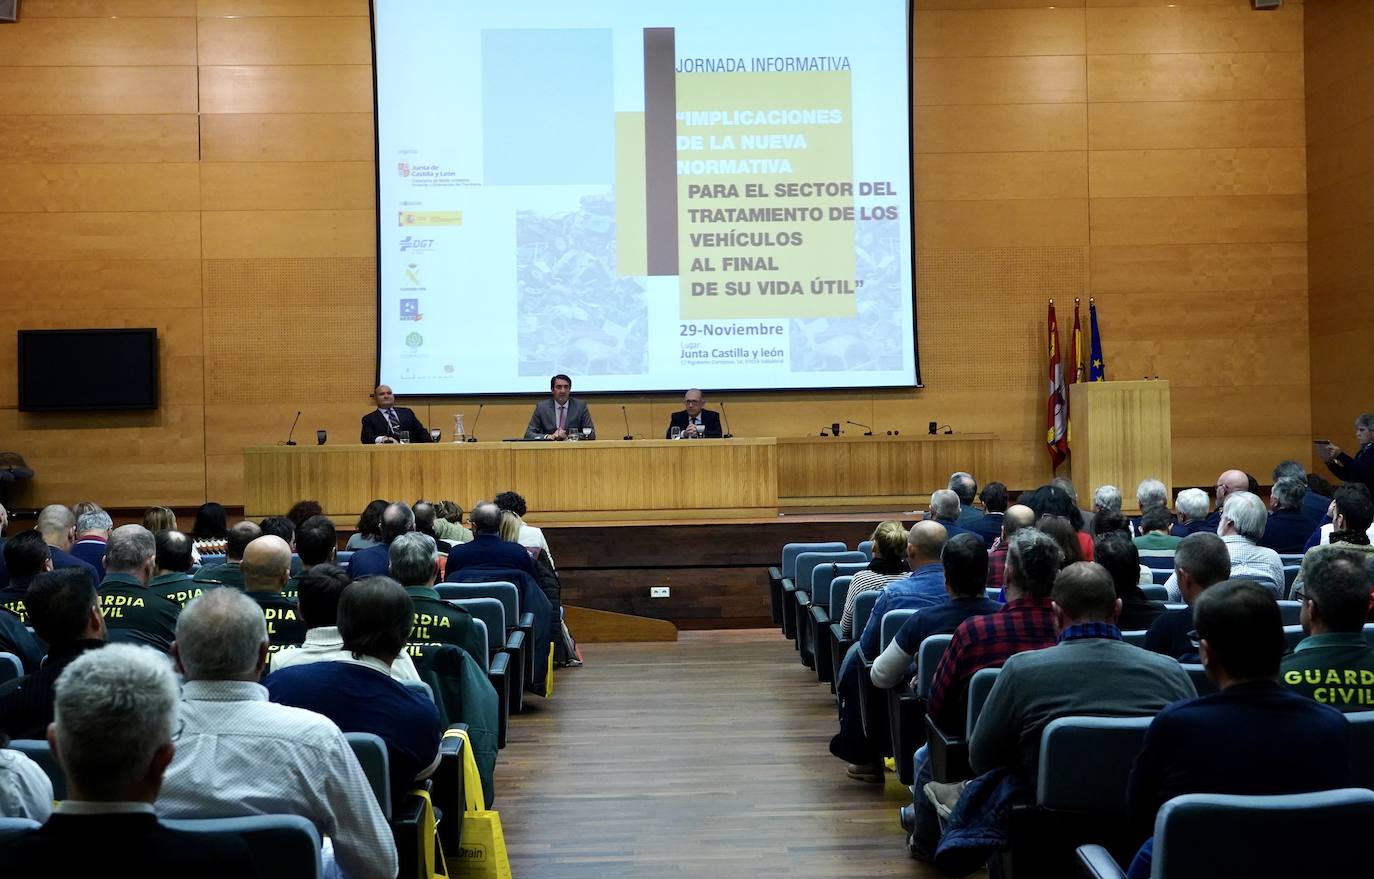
column 482, row 850
column 432, row 865
column 548, row 676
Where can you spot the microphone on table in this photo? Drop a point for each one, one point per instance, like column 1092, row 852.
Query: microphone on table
column 868, row 428
column 944, row 428
column 726, row 416
column 626, row 416
column 289, row 440
column 472, row 437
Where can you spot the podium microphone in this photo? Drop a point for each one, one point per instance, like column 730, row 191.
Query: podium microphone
column 868, row 429
column 472, row 437
column 289, row 440
column 726, row 416
column 626, row 416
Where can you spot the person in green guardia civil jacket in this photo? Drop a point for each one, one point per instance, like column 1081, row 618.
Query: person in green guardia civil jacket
column 1334, row 664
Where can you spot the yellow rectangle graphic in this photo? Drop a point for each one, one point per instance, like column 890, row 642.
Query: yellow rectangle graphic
column 430, row 218
column 631, row 241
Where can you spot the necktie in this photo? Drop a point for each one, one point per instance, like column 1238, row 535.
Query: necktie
column 562, row 417
column 393, row 420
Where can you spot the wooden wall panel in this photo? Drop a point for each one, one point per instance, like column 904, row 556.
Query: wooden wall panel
column 213, row 158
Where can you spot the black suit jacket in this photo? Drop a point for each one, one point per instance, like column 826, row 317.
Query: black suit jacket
column 709, row 420
column 375, row 425
column 134, row 844
column 488, row 549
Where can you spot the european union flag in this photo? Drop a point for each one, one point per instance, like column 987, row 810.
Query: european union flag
column 1097, row 367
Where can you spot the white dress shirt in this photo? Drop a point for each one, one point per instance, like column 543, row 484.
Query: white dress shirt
column 1247, row 559
column 239, row 754
column 325, row 644
column 533, row 538
column 25, row 791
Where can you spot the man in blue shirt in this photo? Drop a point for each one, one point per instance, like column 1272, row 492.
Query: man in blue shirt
column 1253, row 737
column 924, row 588
column 359, row 695
column 397, row 519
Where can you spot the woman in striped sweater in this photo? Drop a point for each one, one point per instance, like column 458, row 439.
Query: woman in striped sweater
column 889, row 563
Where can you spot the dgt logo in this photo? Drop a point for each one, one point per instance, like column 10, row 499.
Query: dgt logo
column 411, row 243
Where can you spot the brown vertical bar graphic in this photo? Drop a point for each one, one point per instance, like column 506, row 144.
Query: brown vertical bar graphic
column 660, row 149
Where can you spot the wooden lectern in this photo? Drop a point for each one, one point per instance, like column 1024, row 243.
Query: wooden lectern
column 1121, row 435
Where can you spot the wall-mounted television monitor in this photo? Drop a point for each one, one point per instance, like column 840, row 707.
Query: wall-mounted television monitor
column 95, row 369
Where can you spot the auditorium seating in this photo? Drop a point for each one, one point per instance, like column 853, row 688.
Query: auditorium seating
column 1136, row 637
column 1290, row 573
column 404, row 818
column 505, row 652
column 1198, row 675
column 1085, row 763
column 949, row 753
column 1155, row 592
column 1290, row 612
column 832, row 636
column 818, row 617
column 1204, row 836
column 509, row 596
column 38, row 751
column 800, row 596
column 282, row 846
column 781, row 576
column 906, row 711
column 10, row 667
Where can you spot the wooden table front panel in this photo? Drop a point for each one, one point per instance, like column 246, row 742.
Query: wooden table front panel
column 861, row 468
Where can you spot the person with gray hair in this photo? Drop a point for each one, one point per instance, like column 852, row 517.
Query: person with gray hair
column 1192, row 506
column 1289, row 525
column 1314, row 503
column 57, row 524
column 1359, row 468
column 1107, row 499
column 966, row 487
column 397, row 519
column 415, row 565
column 1333, row 615
column 112, row 734
column 92, row 531
column 1151, row 493
column 1243, row 518
column 240, row 754
column 1200, row 561
column 945, row 508
column 134, row 613
column 486, row 547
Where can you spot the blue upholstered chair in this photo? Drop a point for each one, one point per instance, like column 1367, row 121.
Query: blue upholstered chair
column 780, row 576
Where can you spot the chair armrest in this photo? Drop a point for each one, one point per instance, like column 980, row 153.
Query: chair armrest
column 906, row 717
column 820, row 615
column 499, row 675
column 406, row 826
column 526, row 623
column 948, row 754
column 516, row 648
column 447, row 792
column 1095, row 862
column 775, row 573
column 802, row 597
column 788, row 585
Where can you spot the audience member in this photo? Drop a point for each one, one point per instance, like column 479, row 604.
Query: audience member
column 266, row 568
column 1054, row 501
column 26, row 556
column 530, row 537
column 1192, row 506
column 1200, row 561
column 1118, row 556
column 965, row 487
column 112, row 734
column 544, row 574
column 1334, row 664
column 15, row 638
column 211, row 527
column 1059, row 529
column 239, row 754
column 1361, row 467
column 1229, row 482
column 425, row 516
column 317, row 604
column 1106, row 499
column 1107, row 522
column 449, row 523
column 1017, row 517
column 1253, row 737
column 397, row 519
column 415, row 565
column 889, row 563
column 172, row 577
column 486, row 547
column 228, row 572
column 358, row 693
column 57, row 524
column 945, row 509
column 1314, row 503
column 316, row 544
column 989, row 525
column 1150, row 494
column 1322, row 533
column 368, row 531
column 25, row 789
column 92, row 531
column 303, row 510
column 1354, row 515
column 64, row 611
column 157, row 519
column 925, row 587
column 1242, row 523
column 1288, row 525
column 1155, row 528
column 133, row 612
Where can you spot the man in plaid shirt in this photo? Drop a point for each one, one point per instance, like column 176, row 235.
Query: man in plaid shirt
column 1025, row 623
column 1013, row 520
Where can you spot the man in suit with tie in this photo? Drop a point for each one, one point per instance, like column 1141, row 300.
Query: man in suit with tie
column 1361, row 467
column 386, row 423
column 112, row 734
column 560, row 416
column 694, row 421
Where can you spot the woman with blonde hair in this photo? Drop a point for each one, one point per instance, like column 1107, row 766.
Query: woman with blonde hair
column 889, row 564
column 160, row 519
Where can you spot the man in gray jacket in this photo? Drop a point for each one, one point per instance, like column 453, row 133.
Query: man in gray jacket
column 560, row 416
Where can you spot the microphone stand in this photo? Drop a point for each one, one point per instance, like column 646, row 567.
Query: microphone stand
column 726, row 416
column 472, row 437
column 868, row 429
column 626, row 416
column 289, row 433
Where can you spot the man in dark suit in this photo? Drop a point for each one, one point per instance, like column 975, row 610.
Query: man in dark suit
column 397, row 519
column 694, row 421
column 487, row 547
column 1361, row 467
column 112, row 734
column 387, row 422
column 560, row 416
column 57, row 524
column 1288, row 525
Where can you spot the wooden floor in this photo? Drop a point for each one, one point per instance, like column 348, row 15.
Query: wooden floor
column 705, row 757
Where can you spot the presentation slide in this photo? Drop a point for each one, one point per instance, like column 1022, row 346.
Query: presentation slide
column 645, row 195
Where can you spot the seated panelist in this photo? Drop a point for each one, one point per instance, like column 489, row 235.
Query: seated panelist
column 386, row 423
column 693, row 420
column 561, row 415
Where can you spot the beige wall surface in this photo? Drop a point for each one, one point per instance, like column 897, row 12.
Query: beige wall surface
column 207, row 168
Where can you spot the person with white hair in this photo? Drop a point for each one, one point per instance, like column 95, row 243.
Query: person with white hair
column 944, row 508
column 92, row 531
column 1192, row 506
column 239, row 754
column 966, row 487
column 112, row 734
column 1150, row 494
column 1243, row 518
column 1289, row 524
column 133, row 612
